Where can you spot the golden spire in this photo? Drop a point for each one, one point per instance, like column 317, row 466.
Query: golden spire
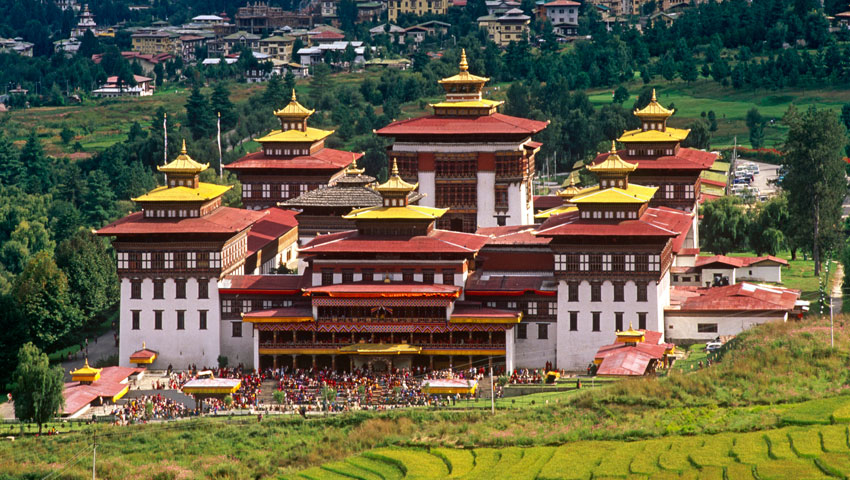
column 464, row 66
column 294, row 110
column 144, row 345
column 569, row 189
column 395, row 167
column 183, row 163
column 352, row 168
column 295, row 100
column 183, row 148
column 653, row 109
column 395, row 182
column 653, row 95
column 613, row 163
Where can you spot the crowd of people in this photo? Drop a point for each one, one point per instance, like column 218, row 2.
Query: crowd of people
column 150, row 407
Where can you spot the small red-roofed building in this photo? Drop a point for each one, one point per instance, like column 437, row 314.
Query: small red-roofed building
column 720, row 270
column 292, row 161
column 91, row 386
column 468, row 157
column 635, row 353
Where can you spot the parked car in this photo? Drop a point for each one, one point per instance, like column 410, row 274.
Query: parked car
column 713, row 346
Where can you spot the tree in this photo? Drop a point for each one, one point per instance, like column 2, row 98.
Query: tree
column 755, row 122
column 724, row 226
column 220, row 103
column 39, row 178
column 88, row 45
column 43, row 299
column 275, row 96
column 37, row 390
column 99, row 201
column 348, row 56
column 199, row 116
column 767, row 233
column 11, row 169
column 688, row 69
column 89, row 267
column 815, row 175
column 845, row 115
column 621, row 94
column 700, row 136
column 66, row 134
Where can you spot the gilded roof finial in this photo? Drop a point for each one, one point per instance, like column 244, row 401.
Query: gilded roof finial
column 144, row 346
column 613, row 146
column 464, row 66
column 395, row 167
column 87, row 363
column 653, row 95
column 293, row 94
column 183, row 148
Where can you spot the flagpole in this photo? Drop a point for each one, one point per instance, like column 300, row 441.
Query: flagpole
column 165, row 136
column 218, row 125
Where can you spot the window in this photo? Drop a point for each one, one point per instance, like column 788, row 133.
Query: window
column 327, row 277
column 707, row 327
column 236, row 329
column 191, row 259
column 553, row 308
column 522, row 331
column 368, row 275
column 642, row 321
column 181, row 319
column 572, row 292
column 542, row 331
column 180, row 287
column 202, row 319
column 596, row 321
column 596, row 291
column 560, row 262
column 654, row 263
column 641, row 292
column 347, row 275
column 136, row 289
column 448, row 277
column 246, row 190
column 584, row 262
column 630, row 261
column 619, row 291
column 215, row 259
column 501, row 195
column 531, row 308
column 158, row 289
column 618, row 321
column 511, row 305
column 302, row 189
column 157, row 319
column 267, row 190
column 247, row 305
column 428, row 277
column 123, row 260
column 146, row 260
column 136, row 319
column 407, row 275
column 573, row 321
column 227, row 306
column 203, row 288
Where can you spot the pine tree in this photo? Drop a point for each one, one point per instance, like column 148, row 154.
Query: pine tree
column 199, row 116
column 275, row 95
column 220, row 103
column 11, row 169
column 36, row 167
column 99, row 202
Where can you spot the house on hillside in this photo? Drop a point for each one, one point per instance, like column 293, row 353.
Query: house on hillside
column 720, row 270
column 112, row 88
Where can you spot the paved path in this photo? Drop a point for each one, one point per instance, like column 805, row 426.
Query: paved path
column 99, row 348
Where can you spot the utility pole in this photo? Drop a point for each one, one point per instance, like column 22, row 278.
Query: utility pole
column 492, row 394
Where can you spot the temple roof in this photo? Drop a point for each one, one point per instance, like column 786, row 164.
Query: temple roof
column 204, row 192
column 395, row 183
column 653, row 109
column 464, row 76
column 296, row 136
column 324, row 159
column 183, row 164
column 222, row 220
column 343, row 194
column 409, row 212
column 631, row 194
column 437, row 241
column 655, row 222
column 669, row 134
column 685, row 159
column 293, row 110
column 384, row 289
column 493, row 124
column 612, row 164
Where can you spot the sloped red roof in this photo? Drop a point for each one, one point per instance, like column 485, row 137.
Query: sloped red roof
column 324, row 159
column 483, row 284
column 271, row 227
column 438, row 241
column 223, row 220
column 288, row 312
column 655, row 222
column 561, row 3
column 630, row 362
column 327, row 35
column 748, row 261
column 143, row 354
column 380, row 289
column 512, row 235
column 689, row 251
column 741, row 296
column 671, row 219
column 78, row 395
column 137, row 78
column 466, row 310
column 278, row 284
column 685, row 159
column 495, row 124
column 545, row 202
column 735, row 262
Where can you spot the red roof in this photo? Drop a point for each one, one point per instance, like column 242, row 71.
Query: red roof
column 158, row 58
column 380, row 289
column 324, row 159
column 495, row 124
column 741, row 296
column 686, row 159
column 561, row 3
column 143, row 354
column 512, row 235
column 327, row 35
column 625, row 362
column 271, row 227
column 545, row 202
column 137, row 78
column 437, row 241
column 734, row 262
column 714, row 182
column 655, row 222
column 689, row 251
column 223, row 220
column 278, row 284
column 748, row 261
column 483, row 284
column 289, row 312
column 78, row 395
column 672, row 219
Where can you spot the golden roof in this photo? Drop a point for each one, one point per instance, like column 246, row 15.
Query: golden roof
column 669, row 134
column 464, row 76
column 204, row 192
column 631, row 194
column 569, row 189
column 86, row 373
column 352, row 169
column 410, row 212
column 395, row 182
column 294, row 109
column 560, row 209
column 296, row 136
column 653, row 109
column 183, row 164
column 631, row 335
column 483, row 103
column 613, row 163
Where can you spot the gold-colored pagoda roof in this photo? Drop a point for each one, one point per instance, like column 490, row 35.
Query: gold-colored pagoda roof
column 204, row 192
column 613, row 163
column 183, row 164
column 569, row 189
column 352, row 169
column 395, row 183
column 669, row 134
column 631, row 194
column 631, row 335
column 294, row 109
column 483, row 103
column 464, row 76
column 86, row 373
column 296, row 136
column 410, row 212
column 560, row 209
column 653, row 109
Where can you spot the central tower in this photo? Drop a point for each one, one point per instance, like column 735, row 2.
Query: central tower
column 468, row 157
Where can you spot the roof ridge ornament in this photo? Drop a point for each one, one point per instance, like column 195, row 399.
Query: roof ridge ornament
column 464, row 65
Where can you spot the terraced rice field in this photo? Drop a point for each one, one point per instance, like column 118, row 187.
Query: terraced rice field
column 799, row 452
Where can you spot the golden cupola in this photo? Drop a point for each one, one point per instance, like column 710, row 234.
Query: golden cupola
column 294, row 115
column 464, row 93
column 613, row 171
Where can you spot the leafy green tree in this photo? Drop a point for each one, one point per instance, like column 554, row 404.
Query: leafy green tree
column 815, row 175
column 688, row 69
column 66, row 135
column 34, row 235
column 65, row 219
column 37, row 390
column 89, row 45
column 845, row 115
column 724, row 226
column 199, row 115
column 766, row 233
column 39, row 175
column 621, row 94
column 90, row 270
column 11, row 169
column 14, row 256
column 755, row 123
column 220, row 103
column 700, row 136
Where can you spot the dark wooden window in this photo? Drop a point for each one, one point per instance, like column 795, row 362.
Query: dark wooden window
column 542, row 331
column 202, row 319
column 642, row 263
column 596, row 263
column 572, row 292
column 158, row 288
column 456, row 195
column 180, row 287
column 618, row 321
column 522, row 331
column 181, row 319
column 448, row 277
column 407, row 275
column 501, row 196
column 642, row 321
column 596, row 316
column 595, row 291
column 368, row 275
column 453, row 165
column 573, row 321
column 236, row 329
column 136, row 319
column 203, row 288
column 327, row 277
column 707, row 327
column 428, row 277
column 136, row 289
column 641, row 292
column 347, row 275
column 619, row 291
column 618, row 263
column 157, row 319
column 509, row 164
